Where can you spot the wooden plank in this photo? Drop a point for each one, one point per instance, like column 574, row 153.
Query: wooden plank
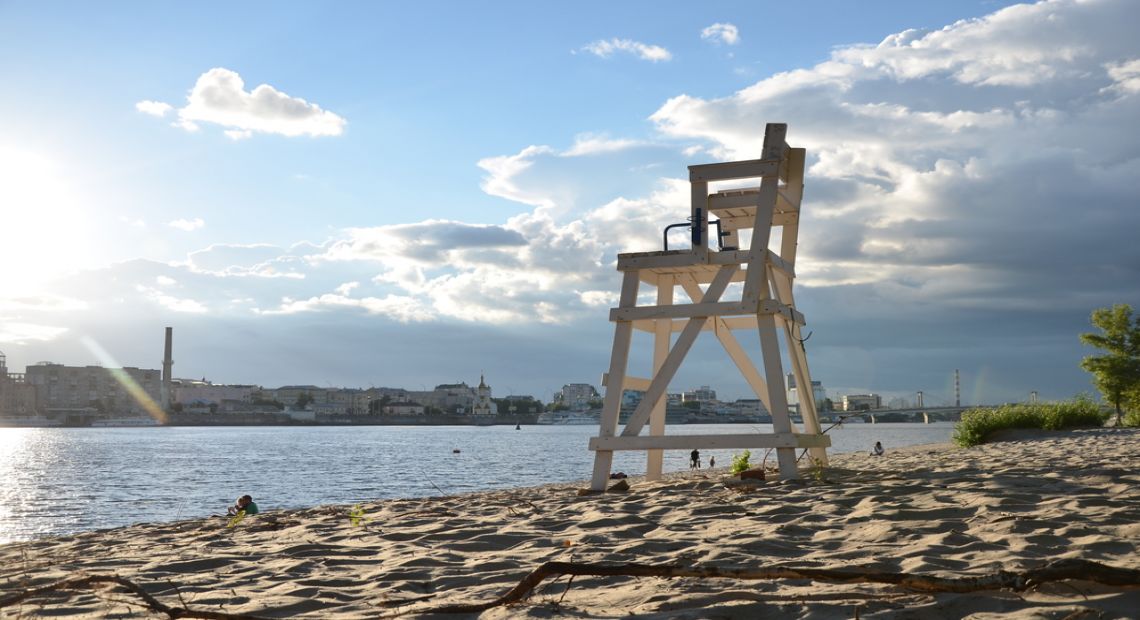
column 630, row 383
column 773, row 369
column 792, row 441
column 655, row 459
column 729, row 170
column 679, row 311
column 680, row 262
column 775, row 262
column 611, row 405
column 775, row 144
column 747, row 321
column 755, row 286
column 722, row 308
column 743, row 200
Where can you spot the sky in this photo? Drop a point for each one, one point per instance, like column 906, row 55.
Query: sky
column 405, row 194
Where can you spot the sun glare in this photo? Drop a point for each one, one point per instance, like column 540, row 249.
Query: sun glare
column 42, row 225
column 134, row 390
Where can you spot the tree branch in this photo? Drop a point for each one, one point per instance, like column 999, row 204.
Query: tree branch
column 1059, row 570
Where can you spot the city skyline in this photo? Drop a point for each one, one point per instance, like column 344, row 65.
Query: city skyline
column 372, row 194
column 550, row 397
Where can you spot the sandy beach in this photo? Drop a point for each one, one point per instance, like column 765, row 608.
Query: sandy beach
column 941, row 511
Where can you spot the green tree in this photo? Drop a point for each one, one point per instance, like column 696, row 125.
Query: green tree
column 1116, row 373
column 303, row 399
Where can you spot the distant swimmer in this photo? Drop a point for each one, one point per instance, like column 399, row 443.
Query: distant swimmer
column 243, row 504
column 877, row 450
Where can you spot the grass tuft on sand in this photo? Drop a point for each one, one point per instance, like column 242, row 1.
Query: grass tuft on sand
column 978, row 424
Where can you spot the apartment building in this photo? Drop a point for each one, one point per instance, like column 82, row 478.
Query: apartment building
column 117, row 391
column 577, row 396
column 17, row 397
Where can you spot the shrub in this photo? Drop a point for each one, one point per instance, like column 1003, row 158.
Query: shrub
column 977, row 424
column 740, row 462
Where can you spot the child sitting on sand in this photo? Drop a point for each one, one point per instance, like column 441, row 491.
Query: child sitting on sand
column 243, row 503
column 877, row 450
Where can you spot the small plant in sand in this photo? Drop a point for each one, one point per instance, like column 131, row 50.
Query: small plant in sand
column 816, row 472
column 740, row 462
column 237, row 518
column 357, row 516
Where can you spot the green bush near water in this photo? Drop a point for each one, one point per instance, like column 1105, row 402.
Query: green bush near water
column 977, row 424
column 740, row 462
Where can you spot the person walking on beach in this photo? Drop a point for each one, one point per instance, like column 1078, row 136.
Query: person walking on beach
column 877, row 450
column 243, row 504
column 712, row 462
column 695, row 459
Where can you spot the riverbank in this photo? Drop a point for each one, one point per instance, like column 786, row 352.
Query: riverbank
column 927, row 510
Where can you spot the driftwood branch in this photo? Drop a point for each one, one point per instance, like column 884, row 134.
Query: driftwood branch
column 1059, row 570
column 91, row 581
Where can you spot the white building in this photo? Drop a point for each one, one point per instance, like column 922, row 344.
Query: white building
column 577, row 396
column 861, row 402
column 818, row 393
column 702, row 394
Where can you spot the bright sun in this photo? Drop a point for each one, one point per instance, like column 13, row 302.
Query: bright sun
column 43, row 229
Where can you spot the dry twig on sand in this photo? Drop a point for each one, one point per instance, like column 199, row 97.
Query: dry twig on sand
column 91, row 581
column 1060, row 570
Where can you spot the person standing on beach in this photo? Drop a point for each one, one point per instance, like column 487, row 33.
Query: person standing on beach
column 243, row 504
column 712, row 462
column 877, row 450
column 695, row 459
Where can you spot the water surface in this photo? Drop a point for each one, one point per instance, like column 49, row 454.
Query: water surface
column 62, row 480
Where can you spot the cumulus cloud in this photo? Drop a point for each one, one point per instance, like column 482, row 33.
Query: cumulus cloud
column 219, row 97
column 259, row 260
column 171, row 302
column 606, row 48
column 592, row 144
column 944, row 164
column 187, row 225
column 154, row 108
column 40, row 303
column 398, row 308
column 1125, row 75
column 721, row 33
column 17, row 332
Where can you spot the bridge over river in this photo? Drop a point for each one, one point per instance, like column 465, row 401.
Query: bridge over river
column 918, row 414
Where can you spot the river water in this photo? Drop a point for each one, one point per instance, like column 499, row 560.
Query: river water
column 62, row 480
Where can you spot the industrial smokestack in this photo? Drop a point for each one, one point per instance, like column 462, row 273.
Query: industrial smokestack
column 167, row 364
column 957, row 390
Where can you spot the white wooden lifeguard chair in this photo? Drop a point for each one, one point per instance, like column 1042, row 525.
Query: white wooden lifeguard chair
column 705, row 271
